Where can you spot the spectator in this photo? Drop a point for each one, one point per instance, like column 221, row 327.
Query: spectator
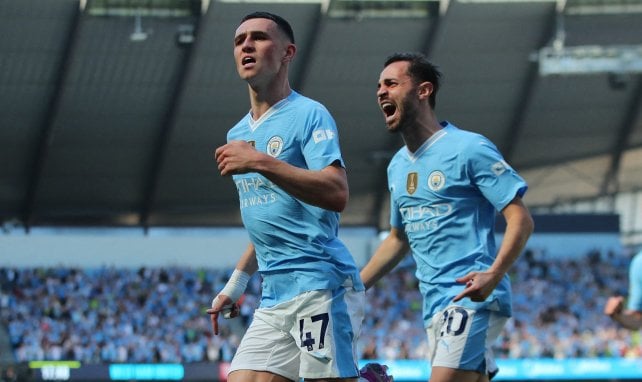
column 111, row 315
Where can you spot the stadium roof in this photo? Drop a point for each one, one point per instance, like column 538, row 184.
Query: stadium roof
column 110, row 110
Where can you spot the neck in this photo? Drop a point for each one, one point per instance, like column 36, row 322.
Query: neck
column 421, row 130
column 262, row 98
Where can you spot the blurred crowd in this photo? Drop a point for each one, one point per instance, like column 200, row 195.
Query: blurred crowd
column 158, row 314
column 557, row 311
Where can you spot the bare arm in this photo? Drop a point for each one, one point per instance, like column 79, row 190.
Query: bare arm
column 326, row 188
column 248, row 263
column 630, row 319
column 519, row 226
column 386, row 257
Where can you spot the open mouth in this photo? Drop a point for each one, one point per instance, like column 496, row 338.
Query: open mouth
column 388, row 109
column 247, row 60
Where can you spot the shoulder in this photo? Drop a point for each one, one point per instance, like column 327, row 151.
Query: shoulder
column 303, row 111
column 467, row 137
column 311, row 114
column 468, row 143
column 299, row 100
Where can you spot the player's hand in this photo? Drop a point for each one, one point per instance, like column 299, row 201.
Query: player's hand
column 479, row 285
column 223, row 305
column 614, row 306
column 236, row 157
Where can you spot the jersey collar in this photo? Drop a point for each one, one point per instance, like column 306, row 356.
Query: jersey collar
column 255, row 123
column 426, row 145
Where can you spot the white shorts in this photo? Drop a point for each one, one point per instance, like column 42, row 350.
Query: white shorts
column 314, row 335
column 461, row 338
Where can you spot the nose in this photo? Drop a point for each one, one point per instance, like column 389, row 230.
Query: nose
column 381, row 91
column 245, row 44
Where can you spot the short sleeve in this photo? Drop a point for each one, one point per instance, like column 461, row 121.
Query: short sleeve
column 492, row 175
column 321, row 140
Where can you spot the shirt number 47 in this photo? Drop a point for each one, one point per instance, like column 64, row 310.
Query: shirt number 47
column 306, row 335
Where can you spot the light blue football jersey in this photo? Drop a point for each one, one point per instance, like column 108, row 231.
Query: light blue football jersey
column 296, row 243
column 445, row 197
column 635, row 283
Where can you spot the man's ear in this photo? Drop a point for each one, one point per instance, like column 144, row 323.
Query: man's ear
column 290, row 51
column 425, row 89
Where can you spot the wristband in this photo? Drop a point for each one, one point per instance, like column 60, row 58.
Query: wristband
column 236, row 285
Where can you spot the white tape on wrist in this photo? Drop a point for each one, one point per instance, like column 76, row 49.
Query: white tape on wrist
column 236, row 285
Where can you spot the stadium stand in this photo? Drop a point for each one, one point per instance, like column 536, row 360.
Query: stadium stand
column 5, row 346
column 109, row 314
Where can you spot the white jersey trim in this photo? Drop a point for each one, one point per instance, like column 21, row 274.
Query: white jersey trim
column 425, row 146
column 254, row 124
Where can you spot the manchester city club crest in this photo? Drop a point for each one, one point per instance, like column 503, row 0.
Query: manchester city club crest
column 436, row 180
column 275, row 146
column 411, row 182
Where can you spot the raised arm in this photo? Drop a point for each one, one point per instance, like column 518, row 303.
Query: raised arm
column 326, row 188
column 519, row 226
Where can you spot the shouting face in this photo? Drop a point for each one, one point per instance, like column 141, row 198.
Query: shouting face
column 260, row 50
column 396, row 95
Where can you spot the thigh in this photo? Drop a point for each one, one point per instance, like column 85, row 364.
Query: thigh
column 266, row 347
column 327, row 329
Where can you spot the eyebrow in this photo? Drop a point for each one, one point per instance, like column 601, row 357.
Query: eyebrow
column 254, row 34
column 388, row 81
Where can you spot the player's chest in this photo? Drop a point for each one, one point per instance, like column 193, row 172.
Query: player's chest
column 430, row 181
column 277, row 143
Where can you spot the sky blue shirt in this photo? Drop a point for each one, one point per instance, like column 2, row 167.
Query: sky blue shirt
column 635, row 283
column 296, row 243
column 445, row 197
